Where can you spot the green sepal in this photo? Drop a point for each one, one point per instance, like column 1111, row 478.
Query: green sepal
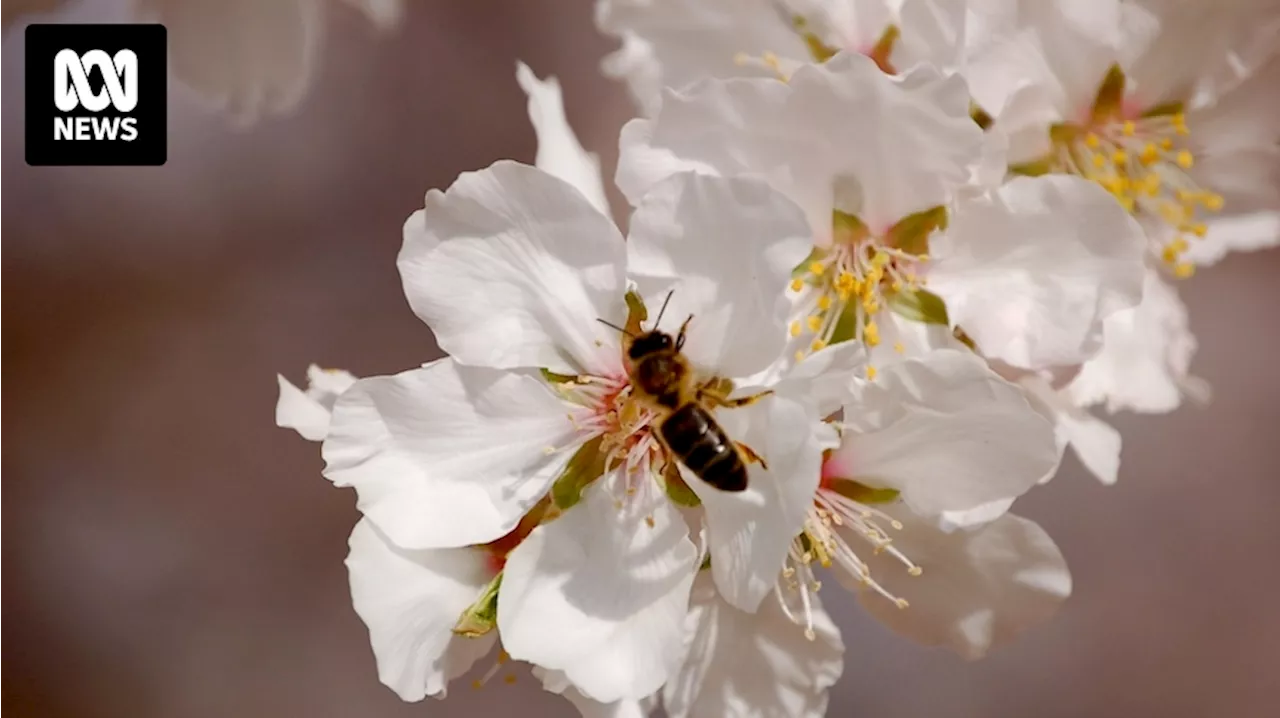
column 801, row 270
column 677, row 490
column 706, row 564
column 911, row 233
column 981, row 117
column 1110, row 97
column 862, row 493
column 847, row 227
column 1033, row 168
column 846, row 324
column 819, row 50
column 637, row 313
column 481, row 616
column 1165, row 109
column 919, row 305
column 553, row 378
column 586, row 465
column 883, row 48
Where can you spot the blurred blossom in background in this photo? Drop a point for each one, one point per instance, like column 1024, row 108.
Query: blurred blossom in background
column 169, row 552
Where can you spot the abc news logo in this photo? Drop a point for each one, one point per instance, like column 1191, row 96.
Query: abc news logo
column 96, row 94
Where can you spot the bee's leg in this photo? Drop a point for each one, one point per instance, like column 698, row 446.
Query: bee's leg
column 680, row 335
column 751, row 456
column 717, row 400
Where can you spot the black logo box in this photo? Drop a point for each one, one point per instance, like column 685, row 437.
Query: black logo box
column 150, row 44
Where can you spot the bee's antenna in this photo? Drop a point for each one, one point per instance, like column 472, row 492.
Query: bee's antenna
column 662, row 311
column 615, row 326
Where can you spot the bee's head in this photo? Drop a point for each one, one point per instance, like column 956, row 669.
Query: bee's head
column 649, row 343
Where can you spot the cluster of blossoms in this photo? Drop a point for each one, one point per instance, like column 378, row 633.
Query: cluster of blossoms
column 916, row 242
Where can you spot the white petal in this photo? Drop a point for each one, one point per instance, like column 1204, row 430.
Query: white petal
column 1246, row 233
column 979, row 587
column 985, row 513
column 411, row 600
column 559, row 152
column 448, row 455
column 1095, row 442
column 947, row 432
column 1145, row 358
column 895, row 145
column 601, row 595
column 308, row 412
column 687, row 40
column 513, row 268
column 245, row 56
column 825, row 377
column 1031, row 271
column 754, row 664
column 557, row 682
column 749, row 532
column 725, row 249
column 295, row 410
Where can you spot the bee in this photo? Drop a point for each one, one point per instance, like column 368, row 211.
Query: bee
column 663, row 380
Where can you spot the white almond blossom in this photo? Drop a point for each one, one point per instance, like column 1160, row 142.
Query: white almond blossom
column 753, row 664
column 1029, row 270
column 514, row 270
column 248, row 58
column 1122, row 93
column 910, row 509
column 674, row 43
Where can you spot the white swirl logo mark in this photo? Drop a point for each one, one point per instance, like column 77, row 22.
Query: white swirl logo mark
column 71, row 80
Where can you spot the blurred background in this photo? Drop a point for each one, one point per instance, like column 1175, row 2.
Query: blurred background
column 168, row 552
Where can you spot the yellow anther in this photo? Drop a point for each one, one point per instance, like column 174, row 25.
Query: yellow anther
column 1149, row 153
column 799, row 355
column 1185, row 160
column 1151, row 183
column 814, row 323
column 915, row 571
column 824, row 302
column 818, row 345
column 1099, row 161
column 901, row 602
column 817, row 268
column 870, row 305
column 1180, row 124
column 897, row 285
column 880, row 260
column 1128, row 128
column 1169, row 254
column 1183, row 270
column 794, row 329
column 1120, row 157
column 871, row 334
column 1199, row 229
column 1179, row 244
column 1126, row 202
column 898, row 347
column 1213, row 202
column 871, row 372
column 511, row 678
column 846, row 282
column 1166, row 144
column 1092, row 141
column 810, row 635
column 477, row 684
column 796, row 285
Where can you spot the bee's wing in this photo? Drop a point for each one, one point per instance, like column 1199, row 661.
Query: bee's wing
column 246, row 57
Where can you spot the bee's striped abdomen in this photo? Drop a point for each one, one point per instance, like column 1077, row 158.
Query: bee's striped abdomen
column 693, row 435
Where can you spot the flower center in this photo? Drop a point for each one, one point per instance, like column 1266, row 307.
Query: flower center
column 1144, row 163
column 842, row 290
column 836, row 517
